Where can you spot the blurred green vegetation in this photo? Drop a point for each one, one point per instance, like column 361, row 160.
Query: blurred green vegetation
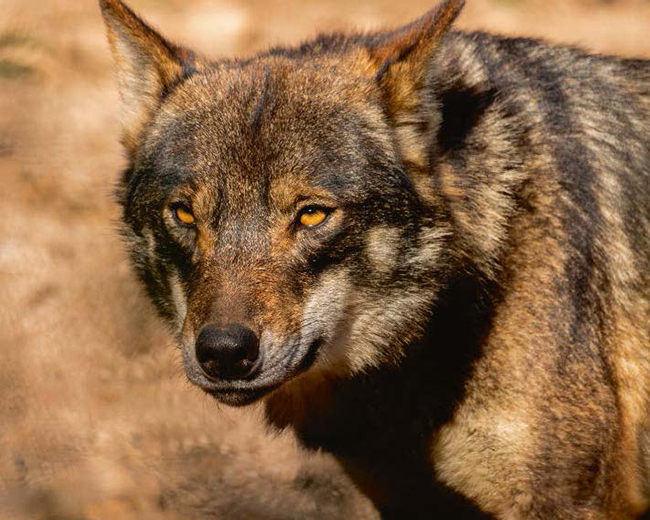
column 11, row 70
column 14, row 40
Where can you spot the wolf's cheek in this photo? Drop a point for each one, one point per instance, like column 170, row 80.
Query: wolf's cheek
column 178, row 299
column 152, row 271
column 382, row 245
column 325, row 317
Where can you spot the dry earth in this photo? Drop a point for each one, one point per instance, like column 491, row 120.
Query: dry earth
column 96, row 419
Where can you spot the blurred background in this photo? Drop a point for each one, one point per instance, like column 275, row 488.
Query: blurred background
column 96, row 418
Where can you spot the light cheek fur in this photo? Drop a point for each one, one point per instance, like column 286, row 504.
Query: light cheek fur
column 360, row 326
column 325, row 315
column 178, row 298
column 383, row 322
column 382, row 327
column 429, row 256
column 382, row 247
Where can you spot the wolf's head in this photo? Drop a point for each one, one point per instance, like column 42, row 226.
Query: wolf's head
column 278, row 208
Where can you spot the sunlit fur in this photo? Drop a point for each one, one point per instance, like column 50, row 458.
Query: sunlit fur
column 468, row 328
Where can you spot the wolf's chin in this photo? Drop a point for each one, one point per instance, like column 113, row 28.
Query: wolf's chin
column 239, row 398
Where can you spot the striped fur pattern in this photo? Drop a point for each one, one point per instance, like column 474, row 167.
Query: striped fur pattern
column 468, row 330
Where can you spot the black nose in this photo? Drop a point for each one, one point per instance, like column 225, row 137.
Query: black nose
column 227, row 353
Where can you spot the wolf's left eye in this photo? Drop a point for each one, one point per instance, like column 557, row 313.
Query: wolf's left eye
column 183, row 214
column 313, row 216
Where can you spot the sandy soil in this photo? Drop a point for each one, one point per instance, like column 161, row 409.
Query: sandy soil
column 96, row 418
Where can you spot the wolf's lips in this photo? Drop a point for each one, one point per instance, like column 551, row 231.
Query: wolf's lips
column 240, row 396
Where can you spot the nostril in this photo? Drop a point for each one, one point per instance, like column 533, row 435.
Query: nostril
column 227, row 353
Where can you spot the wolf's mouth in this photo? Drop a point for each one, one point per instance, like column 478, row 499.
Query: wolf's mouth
column 240, row 396
column 273, row 373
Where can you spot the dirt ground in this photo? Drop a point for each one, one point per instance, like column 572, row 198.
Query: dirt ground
column 96, row 418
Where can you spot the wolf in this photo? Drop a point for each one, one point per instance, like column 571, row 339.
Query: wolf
column 426, row 251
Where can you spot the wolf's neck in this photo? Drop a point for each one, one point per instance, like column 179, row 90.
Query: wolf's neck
column 384, row 421
column 480, row 153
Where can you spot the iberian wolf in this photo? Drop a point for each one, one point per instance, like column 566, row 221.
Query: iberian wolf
column 427, row 251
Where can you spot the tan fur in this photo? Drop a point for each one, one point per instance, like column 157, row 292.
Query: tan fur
column 466, row 328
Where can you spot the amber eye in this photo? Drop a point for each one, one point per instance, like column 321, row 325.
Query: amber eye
column 183, row 215
column 313, row 216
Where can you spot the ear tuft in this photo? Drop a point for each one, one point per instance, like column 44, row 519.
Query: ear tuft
column 147, row 66
column 416, row 41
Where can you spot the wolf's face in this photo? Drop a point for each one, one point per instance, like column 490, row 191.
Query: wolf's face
column 273, row 207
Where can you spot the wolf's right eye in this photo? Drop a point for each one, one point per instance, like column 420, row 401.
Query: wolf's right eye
column 183, row 215
column 312, row 216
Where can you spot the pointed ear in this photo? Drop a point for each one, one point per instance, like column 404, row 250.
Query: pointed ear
column 401, row 63
column 147, row 66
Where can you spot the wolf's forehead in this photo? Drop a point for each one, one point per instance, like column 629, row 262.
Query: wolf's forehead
column 211, row 147
column 270, row 103
column 253, row 125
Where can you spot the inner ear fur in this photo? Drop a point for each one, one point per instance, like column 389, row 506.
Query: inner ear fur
column 147, row 66
column 401, row 63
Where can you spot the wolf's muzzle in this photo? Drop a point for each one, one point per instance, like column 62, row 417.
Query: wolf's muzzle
column 227, row 353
